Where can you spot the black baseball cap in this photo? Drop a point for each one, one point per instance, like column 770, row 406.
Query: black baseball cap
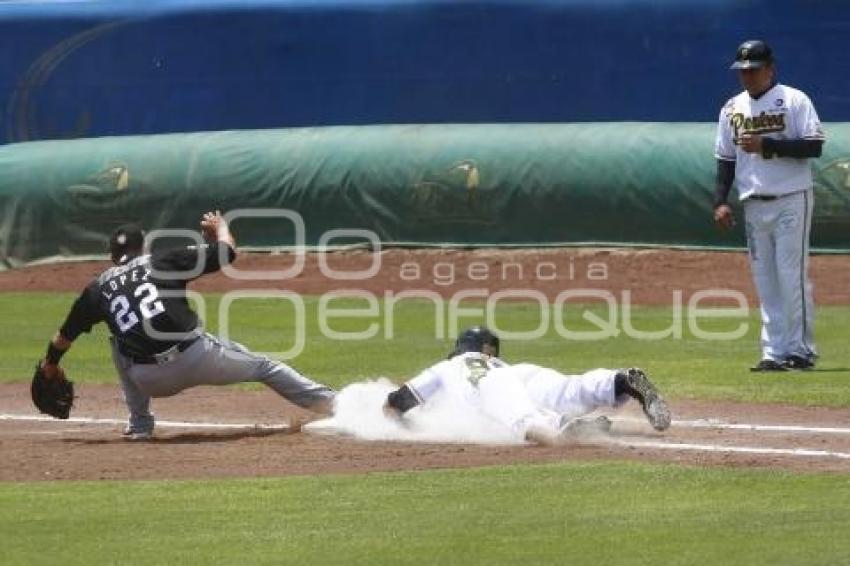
column 125, row 239
column 752, row 54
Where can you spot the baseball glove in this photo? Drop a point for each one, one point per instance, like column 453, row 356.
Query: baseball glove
column 52, row 396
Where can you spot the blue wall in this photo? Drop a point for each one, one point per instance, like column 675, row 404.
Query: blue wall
column 112, row 68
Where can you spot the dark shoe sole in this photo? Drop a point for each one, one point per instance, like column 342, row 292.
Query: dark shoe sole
column 654, row 406
column 798, row 364
column 769, row 365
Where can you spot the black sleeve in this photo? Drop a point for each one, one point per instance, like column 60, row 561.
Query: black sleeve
column 800, row 149
column 402, row 399
column 725, row 176
column 186, row 259
column 84, row 314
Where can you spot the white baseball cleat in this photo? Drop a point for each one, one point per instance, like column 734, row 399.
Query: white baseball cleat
column 587, row 427
column 571, row 429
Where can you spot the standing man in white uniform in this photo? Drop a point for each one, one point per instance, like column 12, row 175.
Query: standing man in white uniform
column 538, row 404
column 765, row 138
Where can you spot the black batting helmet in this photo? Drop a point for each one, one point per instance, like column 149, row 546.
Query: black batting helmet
column 476, row 339
column 752, row 54
column 125, row 243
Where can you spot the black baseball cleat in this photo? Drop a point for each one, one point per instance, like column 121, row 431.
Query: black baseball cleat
column 637, row 385
column 798, row 363
column 769, row 365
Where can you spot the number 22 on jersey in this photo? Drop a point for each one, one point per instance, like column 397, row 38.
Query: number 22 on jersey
column 149, row 306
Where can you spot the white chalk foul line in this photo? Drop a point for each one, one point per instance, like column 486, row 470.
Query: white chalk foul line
column 714, row 424
column 637, row 444
column 764, row 428
column 736, row 449
column 164, row 424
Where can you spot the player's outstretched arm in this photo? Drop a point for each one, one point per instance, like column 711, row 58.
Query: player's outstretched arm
column 214, row 228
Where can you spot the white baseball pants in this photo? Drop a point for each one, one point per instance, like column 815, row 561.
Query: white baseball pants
column 525, row 395
column 778, row 242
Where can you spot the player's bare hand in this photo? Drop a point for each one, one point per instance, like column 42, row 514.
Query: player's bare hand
column 210, row 223
column 723, row 217
column 751, row 143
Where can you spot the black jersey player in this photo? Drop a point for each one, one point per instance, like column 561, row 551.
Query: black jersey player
column 158, row 345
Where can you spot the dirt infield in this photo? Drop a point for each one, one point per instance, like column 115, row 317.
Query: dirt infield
column 56, row 450
column 651, row 275
column 50, row 450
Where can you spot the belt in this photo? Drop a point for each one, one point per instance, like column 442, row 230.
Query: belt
column 167, row 355
column 768, row 198
column 762, row 197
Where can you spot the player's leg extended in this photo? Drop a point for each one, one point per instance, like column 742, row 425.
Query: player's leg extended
column 762, row 256
column 504, row 399
column 237, row 364
column 213, row 361
column 141, row 421
column 577, row 395
column 792, row 256
column 571, row 396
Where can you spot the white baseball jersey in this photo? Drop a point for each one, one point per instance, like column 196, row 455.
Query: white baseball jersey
column 519, row 396
column 782, row 112
column 458, row 376
column 485, row 384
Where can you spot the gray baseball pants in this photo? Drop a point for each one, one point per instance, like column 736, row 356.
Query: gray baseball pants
column 209, row 361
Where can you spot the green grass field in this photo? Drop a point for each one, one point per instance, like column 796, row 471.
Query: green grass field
column 576, row 513
column 568, row 513
column 686, row 367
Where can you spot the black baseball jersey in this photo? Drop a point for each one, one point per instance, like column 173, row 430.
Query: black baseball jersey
column 144, row 300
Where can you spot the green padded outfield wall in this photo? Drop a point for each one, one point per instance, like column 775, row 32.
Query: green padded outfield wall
column 513, row 184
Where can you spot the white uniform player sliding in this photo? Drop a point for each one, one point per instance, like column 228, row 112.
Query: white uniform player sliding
column 765, row 137
column 538, row 404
